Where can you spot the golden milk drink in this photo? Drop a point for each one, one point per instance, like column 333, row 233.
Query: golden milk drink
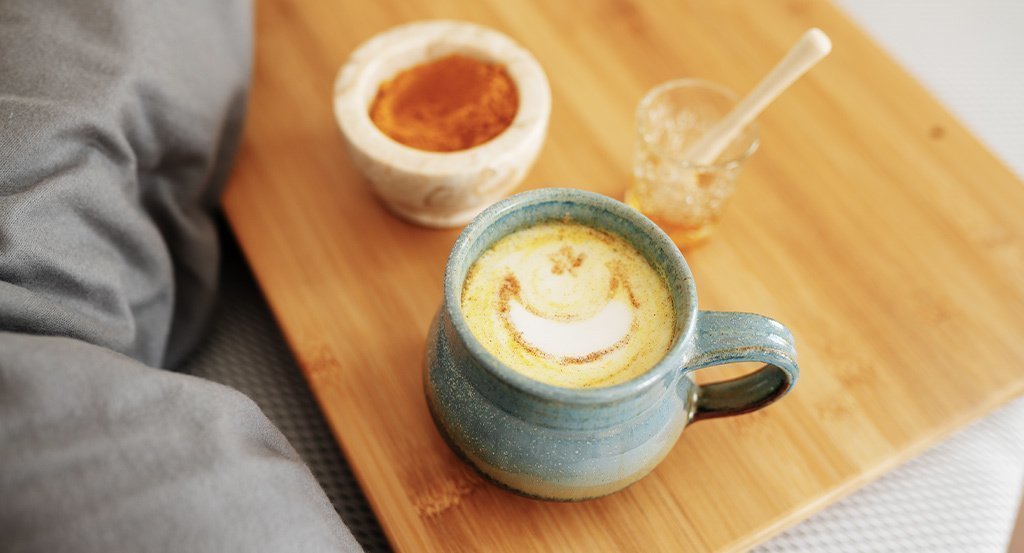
column 569, row 305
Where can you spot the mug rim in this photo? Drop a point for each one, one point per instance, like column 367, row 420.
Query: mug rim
column 671, row 361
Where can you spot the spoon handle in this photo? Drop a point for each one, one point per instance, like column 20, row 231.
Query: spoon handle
column 809, row 50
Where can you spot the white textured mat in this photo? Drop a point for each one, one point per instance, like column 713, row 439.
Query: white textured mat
column 963, row 495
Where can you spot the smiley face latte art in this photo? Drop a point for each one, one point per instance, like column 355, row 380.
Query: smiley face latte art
column 569, row 305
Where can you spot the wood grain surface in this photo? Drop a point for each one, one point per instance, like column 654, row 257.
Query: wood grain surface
column 870, row 222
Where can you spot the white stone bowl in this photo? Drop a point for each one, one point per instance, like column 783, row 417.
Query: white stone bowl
column 440, row 189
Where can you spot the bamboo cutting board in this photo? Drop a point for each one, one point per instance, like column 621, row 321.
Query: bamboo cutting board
column 870, row 222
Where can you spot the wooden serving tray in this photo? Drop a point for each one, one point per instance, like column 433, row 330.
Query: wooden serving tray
column 870, row 222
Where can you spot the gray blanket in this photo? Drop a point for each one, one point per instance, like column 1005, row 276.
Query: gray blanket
column 118, row 121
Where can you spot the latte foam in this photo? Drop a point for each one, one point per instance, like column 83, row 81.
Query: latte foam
column 569, row 305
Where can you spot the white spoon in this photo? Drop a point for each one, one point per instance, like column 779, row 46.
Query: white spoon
column 809, row 50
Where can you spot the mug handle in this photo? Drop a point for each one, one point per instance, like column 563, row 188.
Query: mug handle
column 723, row 337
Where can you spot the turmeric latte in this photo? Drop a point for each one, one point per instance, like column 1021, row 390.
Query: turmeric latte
column 569, row 305
column 452, row 103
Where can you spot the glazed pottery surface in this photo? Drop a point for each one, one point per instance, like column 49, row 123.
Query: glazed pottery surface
column 572, row 444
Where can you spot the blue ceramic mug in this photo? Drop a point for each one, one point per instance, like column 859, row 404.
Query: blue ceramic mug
column 569, row 444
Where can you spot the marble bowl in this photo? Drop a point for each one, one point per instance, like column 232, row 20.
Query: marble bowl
column 440, row 189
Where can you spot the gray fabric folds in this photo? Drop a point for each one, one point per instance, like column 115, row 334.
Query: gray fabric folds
column 118, row 121
column 101, row 453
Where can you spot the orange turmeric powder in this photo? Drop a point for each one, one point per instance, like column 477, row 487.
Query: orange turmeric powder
column 449, row 104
